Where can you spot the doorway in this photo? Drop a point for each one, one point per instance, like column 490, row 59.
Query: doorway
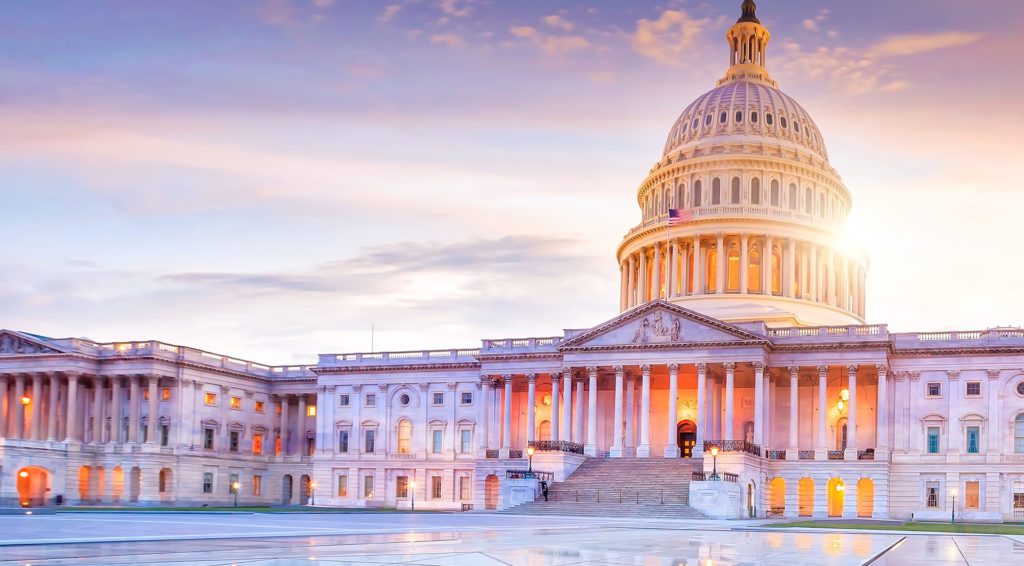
column 304, row 492
column 686, row 438
column 33, row 484
column 491, row 492
column 286, row 490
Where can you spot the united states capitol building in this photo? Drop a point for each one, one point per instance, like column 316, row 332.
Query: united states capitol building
column 741, row 332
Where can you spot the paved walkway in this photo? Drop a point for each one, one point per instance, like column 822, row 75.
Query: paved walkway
column 465, row 539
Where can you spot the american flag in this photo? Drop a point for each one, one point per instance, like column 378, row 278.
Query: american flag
column 677, row 216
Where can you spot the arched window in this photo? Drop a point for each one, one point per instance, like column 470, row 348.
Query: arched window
column 665, row 201
column 734, row 271
column 404, row 436
column 754, row 272
column 775, row 193
column 1018, row 434
column 808, row 200
column 796, row 127
column 696, row 194
column 707, row 119
column 681, row 196
column 821, row 204
column 782, row 121
column 723, row 118
column 712, row 270
column 735, row 190
column 716, row 191
column 689, row 271
column 792, row 197
column 755, row 191
column 753, row 117
column 776, row 273
column 768, row 119
column 841, row 438
column 739, row 116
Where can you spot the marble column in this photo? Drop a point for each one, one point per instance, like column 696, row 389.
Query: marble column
column 591, row 447
column 914, row 428
column 115, row 409
column 744, row 263
column 728, row 432
column 154, row 411
column 830, row 277
column 623, row 286
column 485, row 409
column 673, row 269
column 630, row 442
column 577, row 416
column 3, row 404
column 133, row 416
column 97, row 409
column 506, row 425
column 531, row 407
column 18, row 430
column 644, row 450
column 51, row 408
column 555, row 401
column 767, row 266
column 71, row 426
column 851, row 420
column 993, row 414
column 285, row 426
column 794, row 414
column 567, row 404
column 698, row 279
column 882, row 430
column 759, row 403
column 812, row 273
column 821, row 447
column 790, row 290
column 644, row 283
column 684, row 269
column 631, row 297
column 671, row 440
column 702, row 405
column 723, row 259
column 656, row 274
column 616, row 449
column 37, row 406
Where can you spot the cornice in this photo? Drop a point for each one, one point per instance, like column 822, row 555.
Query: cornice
column 391, row 368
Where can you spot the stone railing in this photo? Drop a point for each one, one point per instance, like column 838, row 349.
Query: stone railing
column 776, row 454
column 732, row 446
column 806, row 455
column 831, row 333
column 745, row 211
column 868, row 454
column 492, row 454
column 520, row 344
column 455, row 355
column 960, row 338
column 724, row 476
column 530, row 474
column 835, row 454
column 515, row 454
column 558, row 446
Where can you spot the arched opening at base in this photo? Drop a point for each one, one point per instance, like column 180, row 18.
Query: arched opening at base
column 491, row 492
column 777, row 497
column 686, row 435
column 836, row 492
column 805, row 497
column 304, row 491
column 865, row 498
column 33, row 486
column 286, row 490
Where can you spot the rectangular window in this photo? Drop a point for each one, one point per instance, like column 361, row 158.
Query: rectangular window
column 368, row 442
column 435, row 487
column 402, row 487
column 933, row 440
column 342, row 486
column 466, row 441
column 310, row 445
column 438, row 399
column 934, row 389
column 464, row 484
column 371, row 400
column 311, row 411
column 974, row 389
column 257, row 444
column 1018, row 501
column 233, row 441
column 343, row 401
column 257, row 484
column 972, row 490
column 259, row 406
column 973, row 439
column 279, row 409
column 343, row 441
column 208, row 438
column 207, row 482
column 211, row 398
column 232, row 482
column 165, row 434
column 236, row 402
column 932, row 493
column 467, row 397
column 277, row 445
column 438, row 437
column 145, row 395
column 368, row 487
column 166, row 394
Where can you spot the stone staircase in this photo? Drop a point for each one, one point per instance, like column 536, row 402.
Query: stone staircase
column 621, row 487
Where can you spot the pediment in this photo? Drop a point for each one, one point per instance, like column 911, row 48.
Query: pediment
column 17, row 343
column 658, row 324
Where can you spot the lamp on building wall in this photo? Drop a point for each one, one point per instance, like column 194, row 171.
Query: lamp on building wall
column 412, row 486
column 234, row 488
column 312, row 493
column 25, row 400
column 844, row 396
column 714, row 464
column 529, row 452
column 953, row 516
column 23, row 474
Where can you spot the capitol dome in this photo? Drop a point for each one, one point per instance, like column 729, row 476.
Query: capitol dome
column 758, row 212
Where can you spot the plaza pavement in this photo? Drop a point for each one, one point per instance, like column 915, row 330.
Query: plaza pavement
column 470, row 539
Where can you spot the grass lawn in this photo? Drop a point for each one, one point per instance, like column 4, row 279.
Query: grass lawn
column 240, row 508
column 1016, row 529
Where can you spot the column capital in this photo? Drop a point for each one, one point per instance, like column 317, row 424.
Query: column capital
column 592, row 371
column 823, row 369
column 953, row 374
column 485, row 379
column 915, row 375
column 794, row 371
column 72, row 375
column 424, row 386
column 357, row 388
column 702, row 367
column 382, row 386
column 451, row 385
column 759, row 366
column 224, row 389
column 506, row 379
column 567, row 372
column 882, row 369
column 993, row 374
column 673, row 368
column 899, row 375
column 645, row 368
column 729, row 366
column 852, row 369
column 531, row 377
column 619, row 370
column 196, row 384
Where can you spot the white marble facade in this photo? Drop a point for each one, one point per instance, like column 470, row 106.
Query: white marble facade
column 741, row 326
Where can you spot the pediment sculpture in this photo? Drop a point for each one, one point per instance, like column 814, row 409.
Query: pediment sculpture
column 11, row 344
column 657, row 330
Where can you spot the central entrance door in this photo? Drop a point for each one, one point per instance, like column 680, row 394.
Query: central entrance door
column 686, row 434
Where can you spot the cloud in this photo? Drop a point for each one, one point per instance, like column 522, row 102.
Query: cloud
column 666, row 39
column 323, row 3
column 810, row 25
column 915, row 44
column 389, row 12
column 557, row 21
column 449, row 39
column 550, row 43
column 452, row 8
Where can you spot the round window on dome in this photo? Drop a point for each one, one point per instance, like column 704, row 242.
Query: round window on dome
column 753, row 117
column 782, row 122
column 739, row 116
column 723, row 118
column 404, row 399
column 1020, row 388
column 768, row 119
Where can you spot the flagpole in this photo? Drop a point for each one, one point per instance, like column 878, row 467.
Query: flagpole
column 668, row 255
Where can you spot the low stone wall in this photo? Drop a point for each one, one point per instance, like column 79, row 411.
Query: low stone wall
column 718, row 499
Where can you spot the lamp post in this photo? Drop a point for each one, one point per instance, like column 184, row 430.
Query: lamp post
column 312, row 493
column 714, row 464
column 412, row 486
column 234, row 488
column 953, row 516
column 529, row 452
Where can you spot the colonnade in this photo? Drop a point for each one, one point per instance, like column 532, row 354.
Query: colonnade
column 716, row 409
column 794, row 268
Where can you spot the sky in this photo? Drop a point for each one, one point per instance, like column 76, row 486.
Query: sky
column 269, row 178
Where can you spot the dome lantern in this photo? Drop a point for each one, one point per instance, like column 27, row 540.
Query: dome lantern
column 748, row 43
